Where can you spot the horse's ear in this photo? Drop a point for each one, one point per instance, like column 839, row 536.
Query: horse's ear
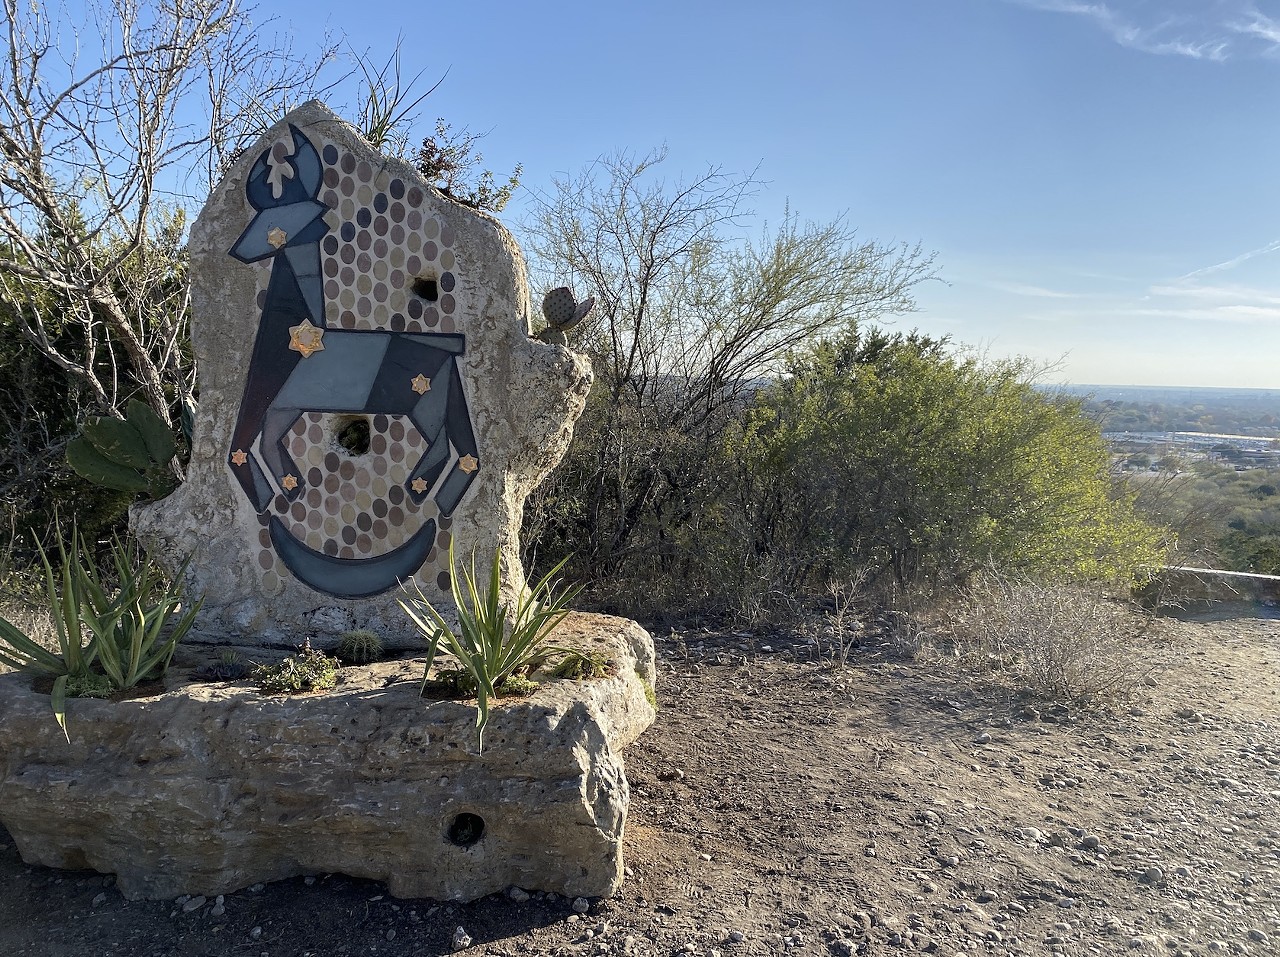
column 257, row 185
column 306, row 160
column 291, row 179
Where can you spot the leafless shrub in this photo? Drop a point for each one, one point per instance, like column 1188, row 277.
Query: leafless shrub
column 759, row 593
column 98, row 119
column 908, row 618
column 1064, row 642
column 843, row 623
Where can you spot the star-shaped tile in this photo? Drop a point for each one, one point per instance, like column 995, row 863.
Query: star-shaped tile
column 239, row 457
column 306, row 338
column 468, row 463
column 277, row 237
column 419, row 485
column 290, row 482
column 421, row 384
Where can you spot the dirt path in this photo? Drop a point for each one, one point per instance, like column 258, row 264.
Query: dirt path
column 780, row 806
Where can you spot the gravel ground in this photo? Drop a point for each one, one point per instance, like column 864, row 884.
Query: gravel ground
column 893, row 806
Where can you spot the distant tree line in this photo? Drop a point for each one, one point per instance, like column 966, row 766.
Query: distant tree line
column 1222, row 518
column 1227, row 416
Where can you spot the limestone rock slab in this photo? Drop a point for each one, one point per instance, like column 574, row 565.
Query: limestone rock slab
column 208, row 788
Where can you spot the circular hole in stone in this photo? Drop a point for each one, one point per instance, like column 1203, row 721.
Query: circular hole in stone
column 466, row 829
column 351, row 433
column 426, row 287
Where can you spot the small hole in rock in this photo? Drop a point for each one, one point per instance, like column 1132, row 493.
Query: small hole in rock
column 353, row 436
column 428, row 289
column 466, row 829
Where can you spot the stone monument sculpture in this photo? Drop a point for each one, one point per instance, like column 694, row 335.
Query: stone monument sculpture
column 369, row 393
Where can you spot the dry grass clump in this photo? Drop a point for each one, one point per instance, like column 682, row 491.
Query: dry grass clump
column 1065, row 642
column 32, row 618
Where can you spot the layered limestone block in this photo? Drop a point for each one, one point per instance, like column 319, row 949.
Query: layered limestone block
column 208, row 788
column 369, row 394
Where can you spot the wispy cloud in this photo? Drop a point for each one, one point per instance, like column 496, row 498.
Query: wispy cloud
column 1207, row 295
column 1204, row 297
column 1233, row 262
column 1219, row 294
column 1254, row 23
column 1233, row 314
column 1197, row 29
column 1024, row 289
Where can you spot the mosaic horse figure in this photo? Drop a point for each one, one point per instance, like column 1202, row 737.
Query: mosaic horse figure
column 299, row 365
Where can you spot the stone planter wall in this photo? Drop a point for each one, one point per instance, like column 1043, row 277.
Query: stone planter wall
column 209, row 788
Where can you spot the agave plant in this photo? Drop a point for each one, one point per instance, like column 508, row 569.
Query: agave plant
column 135, row 634
column 101, row 634
column 76, row 648
column 494, row 641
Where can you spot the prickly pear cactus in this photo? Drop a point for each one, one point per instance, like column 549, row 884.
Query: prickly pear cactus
column 130, row 454
column 562, row 311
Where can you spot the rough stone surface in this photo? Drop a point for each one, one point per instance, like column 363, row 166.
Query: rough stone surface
column 385, row 266
column 209, row 788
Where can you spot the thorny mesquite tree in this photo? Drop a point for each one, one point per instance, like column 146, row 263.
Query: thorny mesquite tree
column 109, row 127
column 688, row 318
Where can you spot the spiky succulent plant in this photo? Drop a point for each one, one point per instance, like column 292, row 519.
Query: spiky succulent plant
column 360, row 647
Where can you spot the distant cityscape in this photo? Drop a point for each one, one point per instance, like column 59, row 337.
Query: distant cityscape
column 1161, row 428
column 1242, row 451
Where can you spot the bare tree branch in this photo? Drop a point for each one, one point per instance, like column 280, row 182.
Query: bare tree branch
column 91, row 136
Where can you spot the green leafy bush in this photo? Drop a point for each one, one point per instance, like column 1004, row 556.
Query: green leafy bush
column 923, row 464
column 493, row 643
column 308, row 670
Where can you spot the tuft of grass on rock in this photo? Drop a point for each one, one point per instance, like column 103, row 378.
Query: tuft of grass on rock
column 580, row 665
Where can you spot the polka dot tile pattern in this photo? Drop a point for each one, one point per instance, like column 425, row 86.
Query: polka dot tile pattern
column 382, row 238
column 355, row 506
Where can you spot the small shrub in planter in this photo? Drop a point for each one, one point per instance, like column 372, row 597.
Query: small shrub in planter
column 308, row 670
column 229, row 667
column 458, row 683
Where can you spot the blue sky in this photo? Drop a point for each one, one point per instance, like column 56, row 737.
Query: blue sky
column 1099, row 179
